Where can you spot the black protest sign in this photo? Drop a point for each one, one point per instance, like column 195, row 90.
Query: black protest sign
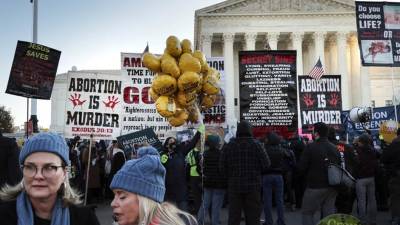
column 33, row 70
column 139, row 137
column 268, row 91
column 320, row 100
column 378, row 26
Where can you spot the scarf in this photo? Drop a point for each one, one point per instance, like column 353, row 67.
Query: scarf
column 59, row 216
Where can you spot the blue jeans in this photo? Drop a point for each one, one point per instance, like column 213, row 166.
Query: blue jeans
column 214, row 198
column 366, row 201
column 271, row 181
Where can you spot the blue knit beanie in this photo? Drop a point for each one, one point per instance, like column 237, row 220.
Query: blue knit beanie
column 45, row 142
column 143, row 176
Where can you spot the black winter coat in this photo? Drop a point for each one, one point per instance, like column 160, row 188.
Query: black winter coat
column 368, row 162
column 78, row 215
column 243, row 160
column 213, row 178
column 175, row 177
column 10, row 171
column 391, row 159
column 313, row 164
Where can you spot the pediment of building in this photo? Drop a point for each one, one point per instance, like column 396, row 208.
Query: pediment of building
column 249, row 7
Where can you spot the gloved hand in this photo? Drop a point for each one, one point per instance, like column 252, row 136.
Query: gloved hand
column 202, row 128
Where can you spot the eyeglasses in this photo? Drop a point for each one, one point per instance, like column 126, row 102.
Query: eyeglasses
column 47, row 171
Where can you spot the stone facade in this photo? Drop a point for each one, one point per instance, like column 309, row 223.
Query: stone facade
column 324, row 29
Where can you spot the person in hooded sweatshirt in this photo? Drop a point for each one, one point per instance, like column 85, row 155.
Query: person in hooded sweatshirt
column 273, row 179
column 242, row 162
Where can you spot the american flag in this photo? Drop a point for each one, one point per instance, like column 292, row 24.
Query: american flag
column 318, row 71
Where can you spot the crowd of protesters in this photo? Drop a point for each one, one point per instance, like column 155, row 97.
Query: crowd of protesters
column 247, row 175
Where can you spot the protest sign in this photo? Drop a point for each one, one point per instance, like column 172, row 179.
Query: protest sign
column 215, row 116
column 379, row 116
column 378, row 27
column 320, row 101
column 268, row 91
column 93, row 105
column 129, row 141
column 139, row 111
column 33, row 70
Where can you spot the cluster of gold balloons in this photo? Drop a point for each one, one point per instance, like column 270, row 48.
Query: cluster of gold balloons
column 184, row 82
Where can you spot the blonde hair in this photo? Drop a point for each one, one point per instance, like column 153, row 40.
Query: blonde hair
column 68, row 194
column 164, row 213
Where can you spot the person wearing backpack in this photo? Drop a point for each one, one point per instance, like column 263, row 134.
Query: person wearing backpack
column 365, row 181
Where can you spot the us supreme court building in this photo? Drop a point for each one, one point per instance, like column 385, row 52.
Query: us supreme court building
column 324, row 29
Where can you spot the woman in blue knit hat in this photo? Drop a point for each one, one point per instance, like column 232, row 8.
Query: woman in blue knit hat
column 44, row 195
column 139, row 193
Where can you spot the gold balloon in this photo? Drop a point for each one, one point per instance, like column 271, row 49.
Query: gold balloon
column 188, row 82
column 169, row 65
column 208, row 101
column 153, row 95
column 166, row 106
column 152, row 62
column 202, row 58
column 186, row 46
column 388, row 130
column 178, row 119
column 189, row 63
column 174, row 46
column 186, row 99
column 210, row 86
column 164, row 84
column 213, row 72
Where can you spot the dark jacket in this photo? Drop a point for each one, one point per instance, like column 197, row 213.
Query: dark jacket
column 213, row 178
column 242, row 161
column 275, row 153
column 175, row 177
column 391, row 159
column 10, row 171
column 313, row 162
column 368, row 162
column 348, row 156
column 117, row 161
column 78, row 215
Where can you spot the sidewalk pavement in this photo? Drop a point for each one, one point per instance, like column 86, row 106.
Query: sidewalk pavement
column 104, row 214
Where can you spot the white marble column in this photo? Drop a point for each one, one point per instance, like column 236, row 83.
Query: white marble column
column 342, row 63
column 206, row 40
column 332, row 56
column 355, row 72
column 319, row 38
column 297, row 42
column 273, row 40
column 250, row 41
column 365, row 87
column 230, row 86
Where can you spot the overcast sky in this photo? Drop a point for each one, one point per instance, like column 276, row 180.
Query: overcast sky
column 91, row 34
